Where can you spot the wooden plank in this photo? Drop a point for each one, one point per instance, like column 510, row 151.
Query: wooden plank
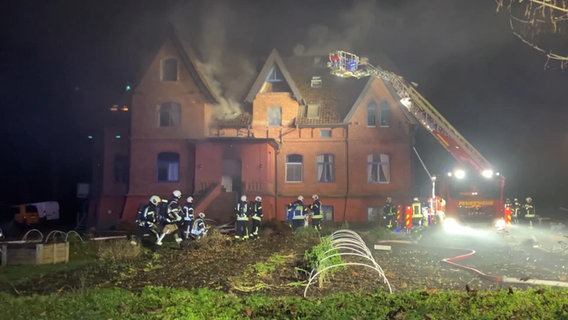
column 382, row 247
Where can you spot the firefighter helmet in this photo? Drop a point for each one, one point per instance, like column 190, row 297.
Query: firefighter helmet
column 389, row 199
column 301, row 198
column 315, row 197
column 177, row 194
column 415, row 199
column 190, row 199
column 155, row 200
column 529, row 199
column 202, row 215
column 258, row 198
column 243, row 198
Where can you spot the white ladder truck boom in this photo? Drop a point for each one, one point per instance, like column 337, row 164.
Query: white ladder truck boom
column 349, row 65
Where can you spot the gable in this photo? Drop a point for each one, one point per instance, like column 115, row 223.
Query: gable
column 273, row 77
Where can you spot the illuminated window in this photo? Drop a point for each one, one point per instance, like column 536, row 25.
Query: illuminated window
column 169, row 114
column 169, row 69
column 121, row 169
column 274, row 116
column 371, row 114
column 316, row 82
column 325, row 168
column 385, row 114
column 294, row 168
column 378, row 168
column 168, row 167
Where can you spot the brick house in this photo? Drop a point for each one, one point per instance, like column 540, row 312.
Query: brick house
column 302, row 131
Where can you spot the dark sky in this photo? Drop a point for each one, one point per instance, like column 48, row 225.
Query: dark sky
column 63, row 63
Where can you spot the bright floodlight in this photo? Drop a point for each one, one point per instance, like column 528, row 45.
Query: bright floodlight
column 406, row 102
column 487, row 173
column 460, row 174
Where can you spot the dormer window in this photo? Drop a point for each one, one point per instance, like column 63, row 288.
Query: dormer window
column 313, row 111
column 316, row 82
column 169, row 69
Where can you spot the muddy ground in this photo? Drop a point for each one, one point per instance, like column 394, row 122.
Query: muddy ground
column 220, row 262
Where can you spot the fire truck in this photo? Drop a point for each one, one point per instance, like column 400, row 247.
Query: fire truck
column 472, row 193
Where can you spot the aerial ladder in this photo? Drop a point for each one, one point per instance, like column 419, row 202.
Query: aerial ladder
column 348, row 65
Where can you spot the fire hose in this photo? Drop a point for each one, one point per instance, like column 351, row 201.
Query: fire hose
column 499, row 279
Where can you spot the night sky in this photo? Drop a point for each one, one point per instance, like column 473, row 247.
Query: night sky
column 63, row 63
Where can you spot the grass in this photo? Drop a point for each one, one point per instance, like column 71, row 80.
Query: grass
column 167, row 303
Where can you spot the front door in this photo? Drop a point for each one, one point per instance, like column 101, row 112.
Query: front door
column 231, row 176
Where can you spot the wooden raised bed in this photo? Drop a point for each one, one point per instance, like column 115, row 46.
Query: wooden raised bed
column 34, row 253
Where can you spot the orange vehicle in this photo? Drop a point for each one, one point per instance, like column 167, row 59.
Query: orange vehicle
column 25, row 214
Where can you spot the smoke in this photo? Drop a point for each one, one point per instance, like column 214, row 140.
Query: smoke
column 225, row 60
column 348, row 28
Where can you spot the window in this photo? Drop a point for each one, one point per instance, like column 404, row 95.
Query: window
column 385, row 114
column 325, row 169
column 378, row 168
column 294, row 168
column 168, row 167
column 274, row 116
column 374, row 214
column 170, row 70
column 327, row 212
column 371, row 112
column 121, row 169
column 316, row 82
column 313, row 111
column 169, row 114
column 325, row 133
column 274, row 75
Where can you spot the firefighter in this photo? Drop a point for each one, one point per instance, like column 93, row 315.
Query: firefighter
column 296, row 213
column 256, row 214
column 199, row 229
column 173, row 219
column 315, row 209
column 188, row 217
column 389, row 213
column 146, row 219
column 529, row 211
column 242, row 212
column 417, row 215
column 516, row 211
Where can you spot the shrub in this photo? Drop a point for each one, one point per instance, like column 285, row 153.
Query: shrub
column 113, row 251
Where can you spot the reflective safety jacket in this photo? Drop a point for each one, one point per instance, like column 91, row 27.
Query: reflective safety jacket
column 198, row 227
column 296, row 210
column 417, row 210
column 389, row 210
column 529, row 210
column 174, row 211
column 316, row 209
column 146, row 216
column 256, row 210
column 242, row 211
column 188, row 212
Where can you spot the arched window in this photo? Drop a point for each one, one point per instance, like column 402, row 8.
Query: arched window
column 325, row 168
column 274, row 116
column 168, row 167
column 385, row 114
column 169, row 114
column 294, row 168
column 378, row 168
column 169, row 69
column 371, row 114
